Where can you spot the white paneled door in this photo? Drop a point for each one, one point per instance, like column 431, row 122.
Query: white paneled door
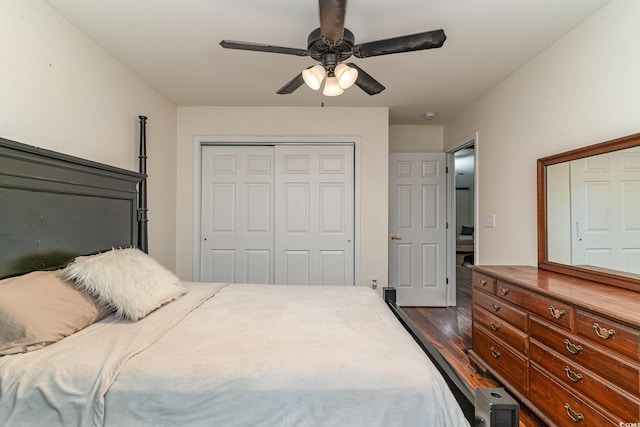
column 278, row 214
column 314, row 215
column 605, row 202
column 417, row 223
column 237, row 214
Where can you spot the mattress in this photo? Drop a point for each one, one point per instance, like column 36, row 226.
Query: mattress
column 235, row 355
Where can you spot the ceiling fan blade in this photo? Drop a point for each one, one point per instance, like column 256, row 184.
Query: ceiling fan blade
column 230, row 44
column 291, row 85
column 366, row 82
column 427, row 40
column 332, row 14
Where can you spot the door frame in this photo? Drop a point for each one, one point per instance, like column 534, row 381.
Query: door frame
column 472, row 139
column 201, row 140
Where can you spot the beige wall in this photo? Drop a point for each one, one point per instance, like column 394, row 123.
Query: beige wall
column 416, row 139
column 582, row 90
column 60, row 91
column 368, row 125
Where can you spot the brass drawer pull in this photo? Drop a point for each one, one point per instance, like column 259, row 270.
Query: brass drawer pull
column 503, row 291
column 603, row 333
column 575, row 416
column 556, row 313
column 572, row 348
column 576, row 378
column 482, row 282
column 495, row 308
column 494, row 326
column 495, row 353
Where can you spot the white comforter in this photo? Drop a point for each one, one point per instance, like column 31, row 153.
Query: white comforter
column 235, row 355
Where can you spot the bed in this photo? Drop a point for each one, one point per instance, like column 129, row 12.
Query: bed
column 464, row 239
column 211, row 354
column 464, row 244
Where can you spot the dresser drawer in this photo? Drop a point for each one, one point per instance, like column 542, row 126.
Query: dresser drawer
column 609, row 334
column 484, row 282
column 614, row 369
column 548, row 309
column 502, row 309
column 578, row 380
column 506, row 362
column 561, row 406
column 501, row 329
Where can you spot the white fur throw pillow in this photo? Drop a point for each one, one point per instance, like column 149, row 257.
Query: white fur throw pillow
column 127, row 280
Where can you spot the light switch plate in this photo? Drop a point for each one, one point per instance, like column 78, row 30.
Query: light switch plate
column 489, row 220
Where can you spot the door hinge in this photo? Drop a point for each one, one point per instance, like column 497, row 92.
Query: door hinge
column 447, row 281
column 446, row 169
column 447, row 227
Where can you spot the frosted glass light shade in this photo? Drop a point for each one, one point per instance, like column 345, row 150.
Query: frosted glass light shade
column 313, row 76
column 346, row 75
column 331, row 87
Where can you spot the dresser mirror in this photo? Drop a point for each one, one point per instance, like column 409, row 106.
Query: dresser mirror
column 589, row 212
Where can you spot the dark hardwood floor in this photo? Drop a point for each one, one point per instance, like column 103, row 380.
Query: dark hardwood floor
column 449, row 329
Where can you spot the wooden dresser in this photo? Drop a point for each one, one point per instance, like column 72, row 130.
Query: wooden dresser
column 568, row 348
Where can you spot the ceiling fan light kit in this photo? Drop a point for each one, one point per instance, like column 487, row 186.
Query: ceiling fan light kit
column 343, row 77
column 331, row 44
column 331, row 87
column 313, row 76
column 346, row 75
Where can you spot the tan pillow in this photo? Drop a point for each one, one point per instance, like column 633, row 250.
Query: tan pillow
column 39, row 308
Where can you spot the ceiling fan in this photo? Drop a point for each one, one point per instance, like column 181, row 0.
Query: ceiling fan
column 332, row 44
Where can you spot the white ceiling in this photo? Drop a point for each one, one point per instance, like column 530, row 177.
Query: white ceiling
column 173, row 45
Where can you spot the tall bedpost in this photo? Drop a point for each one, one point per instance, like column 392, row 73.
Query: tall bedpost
column 143, row 239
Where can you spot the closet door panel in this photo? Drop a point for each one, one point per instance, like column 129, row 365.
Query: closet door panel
column 237, row 238
column 259, row 266
column 296, row 207
column 314, row 214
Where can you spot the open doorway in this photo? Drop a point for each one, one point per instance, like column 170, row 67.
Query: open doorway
column 462, row 215
column 464, row 160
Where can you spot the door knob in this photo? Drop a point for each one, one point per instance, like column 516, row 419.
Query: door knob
column 395, row 237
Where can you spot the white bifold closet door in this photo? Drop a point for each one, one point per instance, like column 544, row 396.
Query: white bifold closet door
column 278, row 214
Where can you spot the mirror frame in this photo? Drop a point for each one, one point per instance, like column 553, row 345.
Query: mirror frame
column 610, row 277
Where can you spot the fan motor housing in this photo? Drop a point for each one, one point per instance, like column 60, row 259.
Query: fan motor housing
column 318, row 47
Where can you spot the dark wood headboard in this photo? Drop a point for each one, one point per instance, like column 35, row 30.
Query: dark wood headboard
column 54, row 207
